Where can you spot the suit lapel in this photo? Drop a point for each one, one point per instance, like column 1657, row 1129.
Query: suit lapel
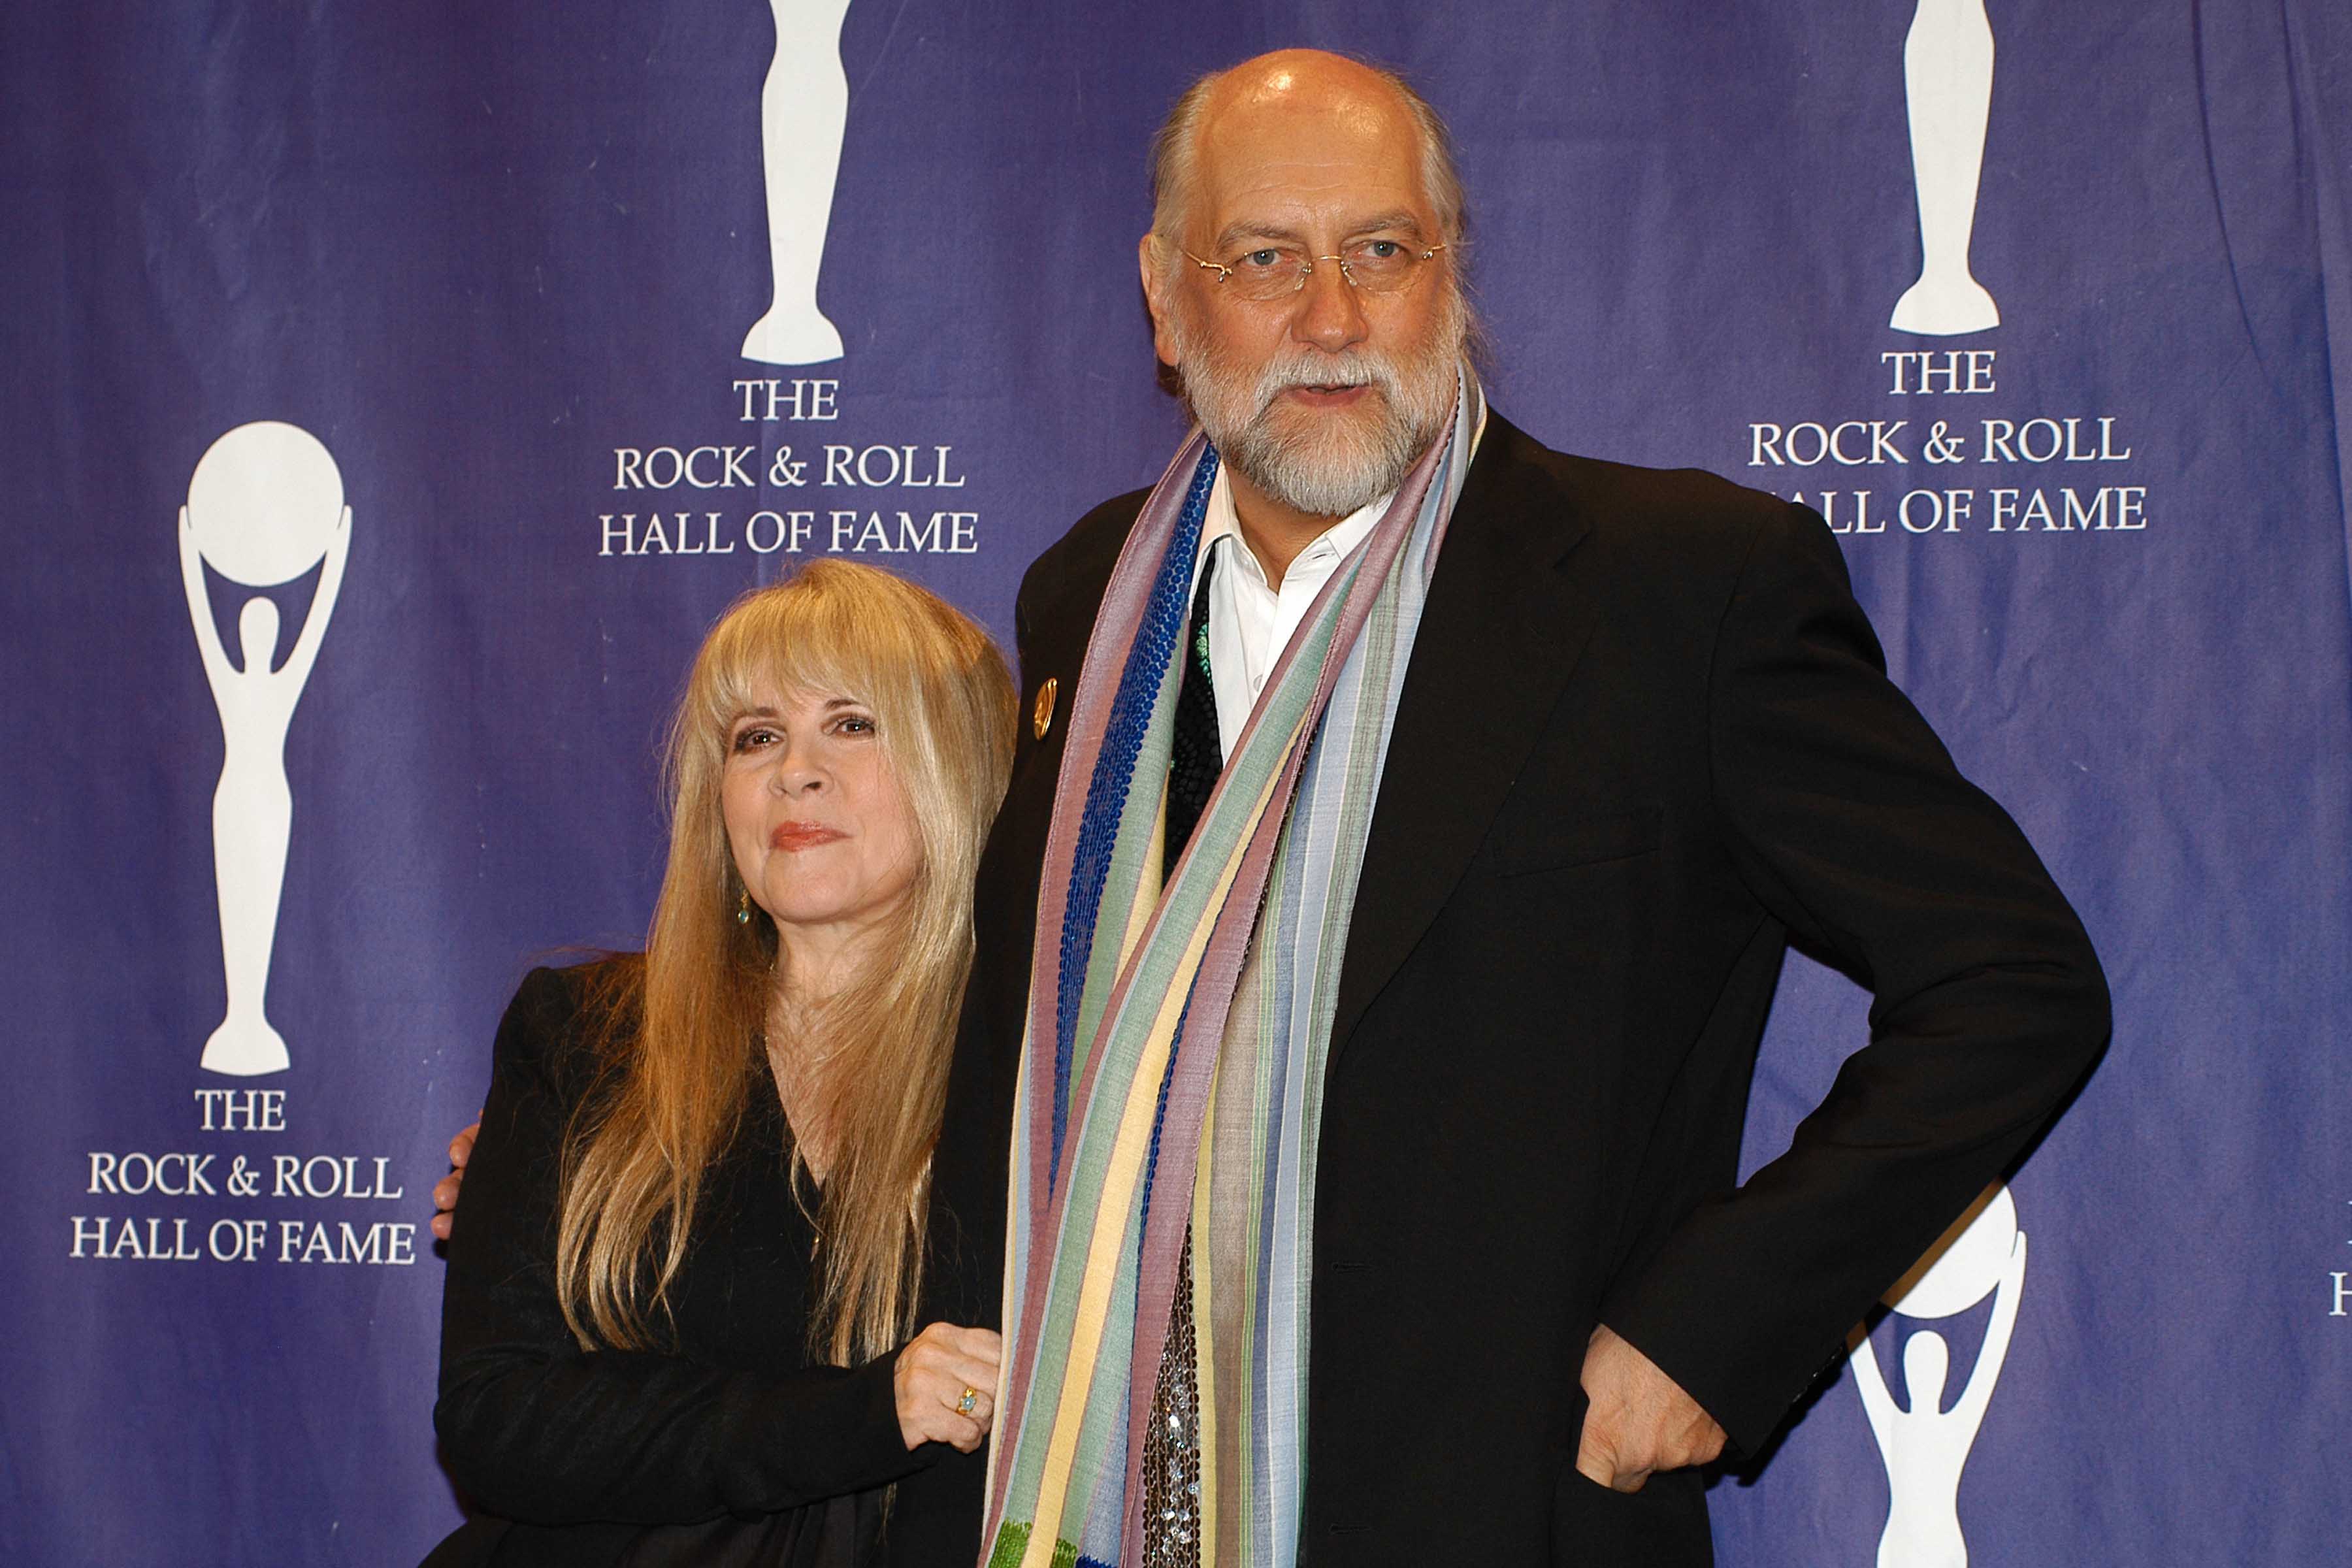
column 1505, row 621
column 1018, row 841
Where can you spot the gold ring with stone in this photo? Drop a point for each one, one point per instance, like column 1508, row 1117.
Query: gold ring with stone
column 971, row 1398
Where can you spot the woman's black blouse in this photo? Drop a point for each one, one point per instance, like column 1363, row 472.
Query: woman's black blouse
column 733, row 1450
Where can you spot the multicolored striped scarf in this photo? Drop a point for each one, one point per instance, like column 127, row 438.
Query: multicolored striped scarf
column 1171, row 1074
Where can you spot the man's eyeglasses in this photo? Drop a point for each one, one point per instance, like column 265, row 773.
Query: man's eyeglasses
column 1272, row 271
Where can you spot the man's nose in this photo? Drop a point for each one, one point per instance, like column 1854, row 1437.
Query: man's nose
column 1331, row 313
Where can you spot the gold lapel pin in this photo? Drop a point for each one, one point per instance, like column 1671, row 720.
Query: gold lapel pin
column 1041, row 714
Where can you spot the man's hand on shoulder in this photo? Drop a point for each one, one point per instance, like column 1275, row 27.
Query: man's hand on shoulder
column 1639, row 1419
column 444, row 1191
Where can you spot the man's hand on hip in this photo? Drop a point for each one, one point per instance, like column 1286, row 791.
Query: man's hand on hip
column 1640, row 1420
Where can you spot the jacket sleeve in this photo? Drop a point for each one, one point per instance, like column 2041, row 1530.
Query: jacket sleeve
column 536, row 1429
column 1847, row 820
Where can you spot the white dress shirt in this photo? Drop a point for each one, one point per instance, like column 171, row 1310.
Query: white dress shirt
column 1251, row 622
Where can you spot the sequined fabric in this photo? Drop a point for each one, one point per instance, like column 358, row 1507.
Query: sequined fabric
column 1172, row 1448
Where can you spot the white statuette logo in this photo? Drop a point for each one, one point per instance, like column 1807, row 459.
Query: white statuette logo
column 803, row 115
column 1948, row 78
column 1925, row 1446
column 265, row 505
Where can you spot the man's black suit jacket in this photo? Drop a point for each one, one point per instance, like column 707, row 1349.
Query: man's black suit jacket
column 1645, row 737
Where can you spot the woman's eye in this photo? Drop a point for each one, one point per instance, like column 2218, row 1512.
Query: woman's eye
column 752, row 737
column 854, row 724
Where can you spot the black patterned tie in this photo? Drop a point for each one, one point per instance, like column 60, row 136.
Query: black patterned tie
column 1172, row 1448
column 1196, row 754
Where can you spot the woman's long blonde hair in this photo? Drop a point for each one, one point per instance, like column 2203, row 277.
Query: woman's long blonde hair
column 679, row 1052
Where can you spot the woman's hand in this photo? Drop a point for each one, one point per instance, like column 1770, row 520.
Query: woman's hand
column 946, row 1380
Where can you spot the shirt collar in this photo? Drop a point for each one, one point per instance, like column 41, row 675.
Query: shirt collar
column 1220, row 521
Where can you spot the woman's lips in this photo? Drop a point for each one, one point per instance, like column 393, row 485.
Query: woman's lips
column 794, row 836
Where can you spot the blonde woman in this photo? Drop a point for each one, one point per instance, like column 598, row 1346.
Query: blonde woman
column 680, row 1319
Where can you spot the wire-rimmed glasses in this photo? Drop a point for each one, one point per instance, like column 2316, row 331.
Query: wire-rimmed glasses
column 1269, row 272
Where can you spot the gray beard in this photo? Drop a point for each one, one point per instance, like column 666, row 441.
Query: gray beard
column 1326, row 464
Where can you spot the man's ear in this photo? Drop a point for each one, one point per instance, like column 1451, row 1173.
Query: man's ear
column 1155, row 283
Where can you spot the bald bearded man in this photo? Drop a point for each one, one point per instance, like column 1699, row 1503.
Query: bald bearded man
column 1376, row 1084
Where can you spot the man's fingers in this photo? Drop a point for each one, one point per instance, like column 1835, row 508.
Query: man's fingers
column 446, row 1190
column 1705, row 1446
column 444, row 1199
column 1639, row 1419
column 1599, row 1463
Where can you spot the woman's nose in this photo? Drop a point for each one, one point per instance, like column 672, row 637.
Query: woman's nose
column 798, row 771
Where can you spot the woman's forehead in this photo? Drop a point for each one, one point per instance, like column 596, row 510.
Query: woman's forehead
column 766, row 693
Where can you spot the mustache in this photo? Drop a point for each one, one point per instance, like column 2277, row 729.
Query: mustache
column 1350, row 367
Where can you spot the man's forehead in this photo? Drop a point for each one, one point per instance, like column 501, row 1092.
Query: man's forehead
column 1291, row 145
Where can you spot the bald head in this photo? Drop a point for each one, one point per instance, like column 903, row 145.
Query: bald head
column 1319, row 104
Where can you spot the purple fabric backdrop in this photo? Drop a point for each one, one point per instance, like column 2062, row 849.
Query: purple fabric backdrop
column 499, row 262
